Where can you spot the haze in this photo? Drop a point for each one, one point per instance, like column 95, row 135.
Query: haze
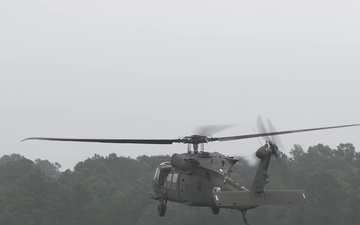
column 159, row 69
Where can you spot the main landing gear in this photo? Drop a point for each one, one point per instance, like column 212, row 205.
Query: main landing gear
column 244, row 217
column 162, row 207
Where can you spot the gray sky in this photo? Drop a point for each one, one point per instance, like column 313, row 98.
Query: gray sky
column 159, row 69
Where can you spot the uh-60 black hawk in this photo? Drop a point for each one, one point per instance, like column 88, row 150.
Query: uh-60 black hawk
column 200, row 178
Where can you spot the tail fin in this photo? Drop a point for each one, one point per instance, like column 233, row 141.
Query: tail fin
column 259, row 181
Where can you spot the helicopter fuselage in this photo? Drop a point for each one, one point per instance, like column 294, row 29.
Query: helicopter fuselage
column 191, row 178
column 203, row 179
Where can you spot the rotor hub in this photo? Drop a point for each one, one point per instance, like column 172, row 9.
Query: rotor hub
column 195, row 139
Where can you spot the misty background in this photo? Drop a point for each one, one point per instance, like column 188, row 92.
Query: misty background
column 159, row 69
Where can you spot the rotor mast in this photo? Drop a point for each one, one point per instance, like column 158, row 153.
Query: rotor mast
column 195, row 140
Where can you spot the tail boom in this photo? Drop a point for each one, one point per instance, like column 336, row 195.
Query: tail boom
column 250, row 199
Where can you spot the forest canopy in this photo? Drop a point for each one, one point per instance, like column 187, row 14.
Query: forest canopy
column 116, row 190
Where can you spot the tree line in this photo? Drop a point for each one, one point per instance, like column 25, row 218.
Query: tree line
column 115, row 190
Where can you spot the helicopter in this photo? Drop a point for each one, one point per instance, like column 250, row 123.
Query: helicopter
column 203, row 179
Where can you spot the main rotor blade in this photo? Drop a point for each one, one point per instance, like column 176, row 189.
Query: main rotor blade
column 189, row 139
column 231, row 138
column 115, row 141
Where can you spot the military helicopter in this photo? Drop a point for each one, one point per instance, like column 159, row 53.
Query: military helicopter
column 200, row 178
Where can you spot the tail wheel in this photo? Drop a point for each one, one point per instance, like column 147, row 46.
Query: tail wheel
column 215, row 210
column 161, row 209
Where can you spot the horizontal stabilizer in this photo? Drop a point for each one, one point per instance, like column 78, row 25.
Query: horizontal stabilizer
column 234, row 199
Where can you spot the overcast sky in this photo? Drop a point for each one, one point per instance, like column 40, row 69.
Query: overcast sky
column 159, row 69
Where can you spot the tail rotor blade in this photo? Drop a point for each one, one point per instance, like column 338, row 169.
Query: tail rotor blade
column 260, row 125
column 275, row 139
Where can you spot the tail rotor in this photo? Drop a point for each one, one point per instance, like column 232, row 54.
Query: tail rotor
column 272, row 141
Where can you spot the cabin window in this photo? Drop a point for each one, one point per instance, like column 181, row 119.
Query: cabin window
column 174, row 180
column 168, row 180
column 156, row 175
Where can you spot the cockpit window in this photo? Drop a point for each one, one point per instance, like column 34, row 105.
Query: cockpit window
column 174, row 180
column 168, row 180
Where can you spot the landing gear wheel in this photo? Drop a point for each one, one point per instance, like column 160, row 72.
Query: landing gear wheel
column 161, row 209
column 215, row 210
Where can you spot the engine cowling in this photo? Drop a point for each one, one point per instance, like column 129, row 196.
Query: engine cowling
column 183, row 162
